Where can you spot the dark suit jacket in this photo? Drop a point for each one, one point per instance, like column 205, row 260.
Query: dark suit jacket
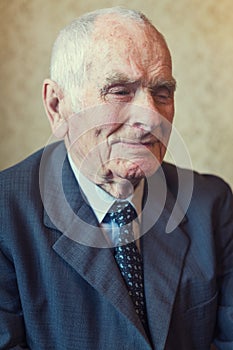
column 56, row 293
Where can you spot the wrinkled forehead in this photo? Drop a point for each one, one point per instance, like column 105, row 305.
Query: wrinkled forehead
column 115, row 35
column 125, row 46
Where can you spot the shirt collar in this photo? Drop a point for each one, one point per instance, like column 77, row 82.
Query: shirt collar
column 101, row 201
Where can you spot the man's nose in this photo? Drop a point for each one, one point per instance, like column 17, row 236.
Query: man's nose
column 144, row 112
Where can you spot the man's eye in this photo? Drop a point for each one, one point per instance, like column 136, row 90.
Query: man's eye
column 122, row 92
column 119, row 94
column 162, row 95
column 118, row 91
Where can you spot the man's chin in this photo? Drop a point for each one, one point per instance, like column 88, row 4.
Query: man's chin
column 132, row 171
column 122, row 181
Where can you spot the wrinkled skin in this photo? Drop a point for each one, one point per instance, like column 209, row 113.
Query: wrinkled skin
column 121, row 133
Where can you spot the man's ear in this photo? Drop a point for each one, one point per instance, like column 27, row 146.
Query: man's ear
column 53, row 97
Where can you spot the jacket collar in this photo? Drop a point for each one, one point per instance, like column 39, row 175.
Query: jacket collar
column 163, row 257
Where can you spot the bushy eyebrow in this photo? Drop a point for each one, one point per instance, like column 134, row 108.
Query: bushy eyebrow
column 118, row 78
column 170, row 84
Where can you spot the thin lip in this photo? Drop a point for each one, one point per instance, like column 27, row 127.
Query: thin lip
column 136, row 142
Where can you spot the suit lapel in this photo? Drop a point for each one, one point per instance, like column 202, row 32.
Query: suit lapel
column 97, row 266
column 163, row 257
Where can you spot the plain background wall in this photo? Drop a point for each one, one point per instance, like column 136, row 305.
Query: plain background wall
column 199, row 34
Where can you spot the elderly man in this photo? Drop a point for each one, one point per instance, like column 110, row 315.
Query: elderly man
column 104, row 245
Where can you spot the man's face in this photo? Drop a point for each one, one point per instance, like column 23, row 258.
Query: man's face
column 127, row 108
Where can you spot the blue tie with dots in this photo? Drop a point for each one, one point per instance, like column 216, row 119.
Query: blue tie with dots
column 128, row 257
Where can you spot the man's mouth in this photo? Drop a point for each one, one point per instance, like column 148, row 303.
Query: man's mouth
column 147, row 142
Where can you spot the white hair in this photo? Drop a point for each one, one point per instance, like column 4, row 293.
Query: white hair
column 68, row 66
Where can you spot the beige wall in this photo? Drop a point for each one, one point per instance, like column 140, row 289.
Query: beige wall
column 200, row 35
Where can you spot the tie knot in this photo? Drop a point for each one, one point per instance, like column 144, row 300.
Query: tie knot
column 122, row 213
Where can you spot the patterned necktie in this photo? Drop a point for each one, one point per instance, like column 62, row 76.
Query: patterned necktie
column 128, row 257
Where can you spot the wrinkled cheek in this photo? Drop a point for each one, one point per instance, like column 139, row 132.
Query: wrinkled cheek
column 91, row 157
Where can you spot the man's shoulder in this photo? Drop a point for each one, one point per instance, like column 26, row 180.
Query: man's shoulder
column 23, row 166
column 30, row 161
column 25, row 172
column 200, row 196
column 202, row 184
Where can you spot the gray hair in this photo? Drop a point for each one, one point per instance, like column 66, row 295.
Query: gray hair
column 68, row 65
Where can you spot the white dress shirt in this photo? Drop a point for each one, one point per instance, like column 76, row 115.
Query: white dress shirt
column 101, row 201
